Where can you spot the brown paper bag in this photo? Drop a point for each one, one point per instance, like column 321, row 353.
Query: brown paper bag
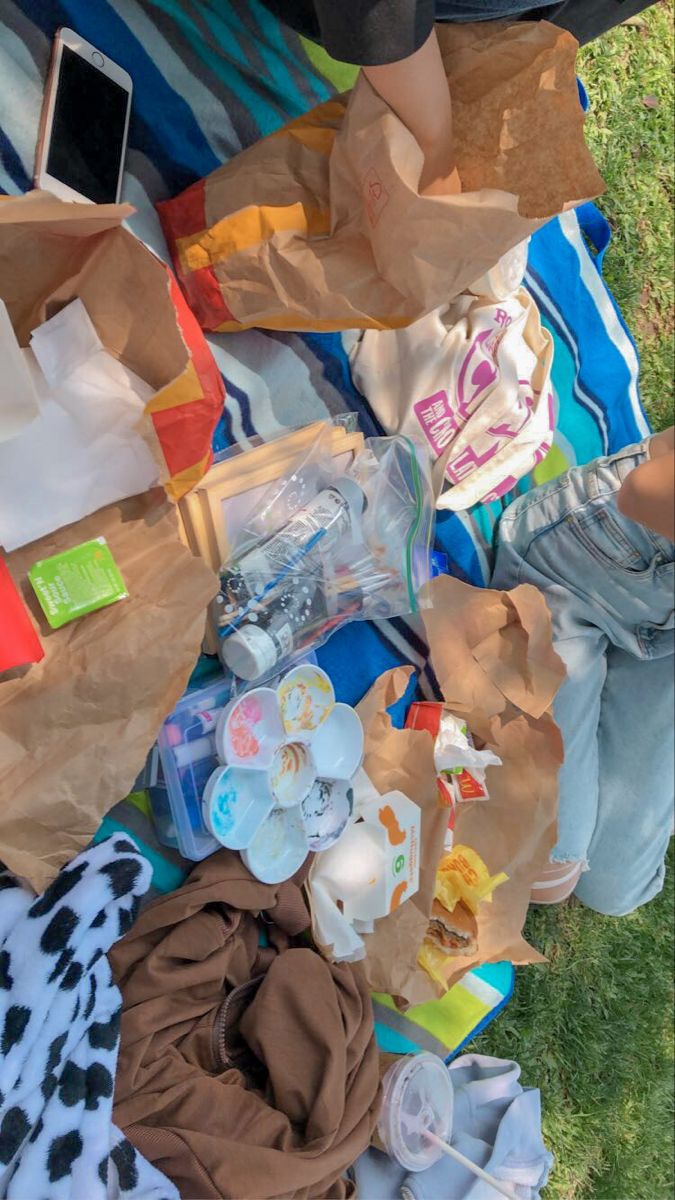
column 494, row 660
column 75, row 729
column 399, row 760
column 320, row 226
column 52, row 251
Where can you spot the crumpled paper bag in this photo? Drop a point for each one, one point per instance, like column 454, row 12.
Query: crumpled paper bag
column 494, row 660
column 75, row 728
column 52, row 251
column 320, row 225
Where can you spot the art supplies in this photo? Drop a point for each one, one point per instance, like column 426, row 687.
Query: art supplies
column 263, row 636
column 180, row 767
column 218, row 508
column 279, row 847
column 326, row 812
column 332, row 514
column 262, row 622
column 77, row 581
column 255, row 773
column 322, row 549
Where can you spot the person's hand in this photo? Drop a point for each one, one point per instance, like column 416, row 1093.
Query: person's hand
column 416, row 88
column 662, row 443
column 647, row 494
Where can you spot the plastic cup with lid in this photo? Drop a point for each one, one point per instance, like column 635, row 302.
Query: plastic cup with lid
column 417, row 1099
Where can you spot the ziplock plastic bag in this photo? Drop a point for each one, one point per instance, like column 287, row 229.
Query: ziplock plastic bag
column 325, row 547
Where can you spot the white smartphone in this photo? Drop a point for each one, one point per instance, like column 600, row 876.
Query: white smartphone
column 85, row 122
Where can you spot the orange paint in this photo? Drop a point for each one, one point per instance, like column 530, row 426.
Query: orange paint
column 397, row 895
column 389, row 819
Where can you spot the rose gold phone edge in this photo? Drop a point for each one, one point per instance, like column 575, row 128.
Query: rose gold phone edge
column 41, row 178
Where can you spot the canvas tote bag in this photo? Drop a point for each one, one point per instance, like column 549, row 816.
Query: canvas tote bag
column 474, row 378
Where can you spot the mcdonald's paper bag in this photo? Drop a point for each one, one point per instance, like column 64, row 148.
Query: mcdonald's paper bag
column 53, row 252
column 321, row 226
column 495, row 664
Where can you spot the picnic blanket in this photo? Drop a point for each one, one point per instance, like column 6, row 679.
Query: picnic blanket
column 210, row 77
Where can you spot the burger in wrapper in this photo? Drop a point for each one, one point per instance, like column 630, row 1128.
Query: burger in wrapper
column 463, row 882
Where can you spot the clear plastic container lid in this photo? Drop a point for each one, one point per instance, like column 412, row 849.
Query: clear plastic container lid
column 417, row 1099
column 186, row 749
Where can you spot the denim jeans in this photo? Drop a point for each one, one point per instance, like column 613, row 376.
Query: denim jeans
column 609, row 584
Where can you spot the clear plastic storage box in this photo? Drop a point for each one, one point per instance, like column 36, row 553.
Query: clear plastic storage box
column 183, row 759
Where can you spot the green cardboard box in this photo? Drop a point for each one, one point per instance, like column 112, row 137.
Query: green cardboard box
column 77, row 581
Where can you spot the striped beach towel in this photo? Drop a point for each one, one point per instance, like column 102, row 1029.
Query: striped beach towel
column 210, row 77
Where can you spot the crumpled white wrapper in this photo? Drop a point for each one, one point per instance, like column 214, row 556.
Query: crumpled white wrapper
column 453, row 749
column 86, row 449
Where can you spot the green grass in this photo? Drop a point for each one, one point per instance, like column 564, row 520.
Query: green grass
column 632, row 142
column 594, row 1028
column 594, row 1031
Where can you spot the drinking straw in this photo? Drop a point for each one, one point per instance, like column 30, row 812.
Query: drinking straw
column 451, row 1152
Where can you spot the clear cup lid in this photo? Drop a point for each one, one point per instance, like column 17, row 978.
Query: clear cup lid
column 417, row 1099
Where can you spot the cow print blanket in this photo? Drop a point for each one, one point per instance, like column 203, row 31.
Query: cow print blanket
column 60, row 1023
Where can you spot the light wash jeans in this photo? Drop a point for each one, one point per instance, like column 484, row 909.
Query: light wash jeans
column 610, row 586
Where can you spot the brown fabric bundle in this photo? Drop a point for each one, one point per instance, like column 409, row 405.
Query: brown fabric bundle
column 243, row 1071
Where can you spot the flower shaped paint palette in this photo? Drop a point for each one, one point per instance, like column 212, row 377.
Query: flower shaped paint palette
column 288, row 755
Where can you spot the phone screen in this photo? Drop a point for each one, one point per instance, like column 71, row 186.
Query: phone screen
column 88, row 129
